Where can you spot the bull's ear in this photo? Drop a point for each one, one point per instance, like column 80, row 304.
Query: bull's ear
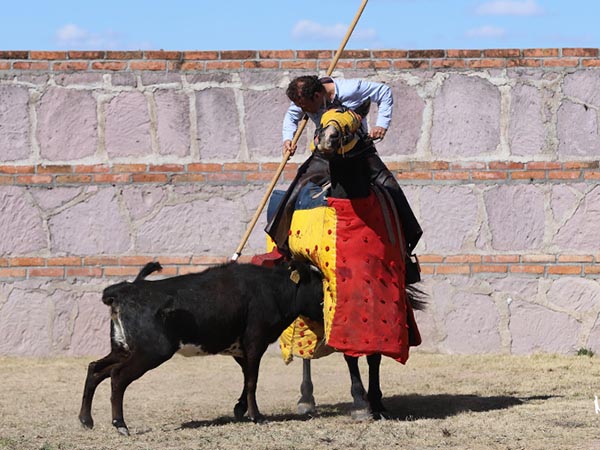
column 364, row 108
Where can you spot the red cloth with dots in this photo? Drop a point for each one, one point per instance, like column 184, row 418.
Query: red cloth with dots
column 372, row 314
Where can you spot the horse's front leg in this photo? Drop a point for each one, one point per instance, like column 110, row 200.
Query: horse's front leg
column 306, row 404
column 374, row 395
column 360, row 407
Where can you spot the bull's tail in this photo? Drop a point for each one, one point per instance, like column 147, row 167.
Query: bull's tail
column 416, row 297
column 149, row 268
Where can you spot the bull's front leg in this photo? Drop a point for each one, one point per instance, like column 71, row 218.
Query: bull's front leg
column 241, row 406
column 253, row 357
column 97, row 372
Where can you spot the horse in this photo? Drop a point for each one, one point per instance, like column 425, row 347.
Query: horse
column 350, row 229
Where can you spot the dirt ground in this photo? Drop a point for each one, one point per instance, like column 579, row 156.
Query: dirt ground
column 437, row 401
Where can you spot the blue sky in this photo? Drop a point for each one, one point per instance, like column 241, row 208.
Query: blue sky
column 307, row 24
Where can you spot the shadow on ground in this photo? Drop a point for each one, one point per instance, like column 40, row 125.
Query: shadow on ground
column 400, row 407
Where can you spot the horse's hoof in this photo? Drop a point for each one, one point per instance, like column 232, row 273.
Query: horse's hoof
column 305, row 408
column 123, row 431
column 361, row 415
column 239, row 410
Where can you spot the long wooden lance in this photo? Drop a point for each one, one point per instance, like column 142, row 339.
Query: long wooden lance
column 299, row 131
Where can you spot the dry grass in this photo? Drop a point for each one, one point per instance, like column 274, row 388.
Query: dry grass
column 439, row 401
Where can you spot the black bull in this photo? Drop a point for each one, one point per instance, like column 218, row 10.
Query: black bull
column 234, row 309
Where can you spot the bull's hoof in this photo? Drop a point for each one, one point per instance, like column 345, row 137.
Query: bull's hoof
column 258, row 418
column 86, row 422
column 119, row 424
column 361, row 415
column 306, row 408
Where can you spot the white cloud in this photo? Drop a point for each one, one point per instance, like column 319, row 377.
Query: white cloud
column 74, row 37
column 309, row 30
column 510, row 8
column 486, row 31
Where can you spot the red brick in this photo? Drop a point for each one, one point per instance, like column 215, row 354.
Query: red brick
column 54, row 169
column 109, row 65
column 204, row 167
column 575, row 258
column 561, row 62
column 486, row 63
column 298, row 65
column 314, row 54
column 239, row 54
column 226, row 176
column 528, row 268
column 411, row 64
column 595, row 175
column 209, row 260
column 34, row 179
column 48, row 55
column 179, row 260
column 426, row 54
column 399, row 165
column 261, row 64
column 589, row 270
column 543, row 165
column 489, row 268
column 414, row 176
column 67, row 66
column 462, row 259
column 12, row 54
column 19, row 261
column 73, row 179
column 591, row 62
column 120, row 271
column 4, row 65
column 390, row 54
column 584, row 52
column 112, row 178
column 135, row 260
column 259, row 176
column 100, row 261
column 276, row 54
column 502, row 53
column 500, row 259
column 64, row 261
column 429, row 165
column 13, row 273
column 448, row 63
column 467, row 165
column 451, row 175
column 223, row 65
column 193, row 65
column 528, row 174
column 431, row 259
column 166, row 168
column 506, row 165
column 92, row 272
column 94, row 168
column 131, row 168
column 244, row 167
column 162, row 54
column 564, row 270
column 540, row 52
column 148, row 65
column 189, row 178
column 453, row 270
column 524, row 62
column 356, row 54
column 427, row 270
column 463, row 53
column 543, row 258
column 49, row 272
column 581, row 165
column 124, row 55
column 26, row 65
column 564, row 175
column 373, row 64
column 150, row 178
column 6, row 180
column 200, row 55
column 482, row 175
column 17, row 169
column 76, row 54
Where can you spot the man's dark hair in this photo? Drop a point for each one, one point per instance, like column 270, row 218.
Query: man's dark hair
column 304, row 87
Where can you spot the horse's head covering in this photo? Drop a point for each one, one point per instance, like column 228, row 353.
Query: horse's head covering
column 337, row 131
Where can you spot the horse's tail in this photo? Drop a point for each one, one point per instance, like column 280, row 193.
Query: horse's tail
column 416, row 297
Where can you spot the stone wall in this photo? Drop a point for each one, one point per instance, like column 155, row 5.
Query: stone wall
column 111, row 159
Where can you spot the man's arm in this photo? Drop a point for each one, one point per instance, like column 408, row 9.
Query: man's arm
column 352, row 93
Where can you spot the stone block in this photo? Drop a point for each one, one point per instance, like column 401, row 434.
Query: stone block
column 14, row 123
column 128, row 125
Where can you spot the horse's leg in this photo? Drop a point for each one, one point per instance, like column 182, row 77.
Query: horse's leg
column 375, row 395
column 306, row 404
column 360, row 408
column 241, row 406
column 97, row 372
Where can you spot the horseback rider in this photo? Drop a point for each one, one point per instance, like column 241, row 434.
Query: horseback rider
column 312, row 96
